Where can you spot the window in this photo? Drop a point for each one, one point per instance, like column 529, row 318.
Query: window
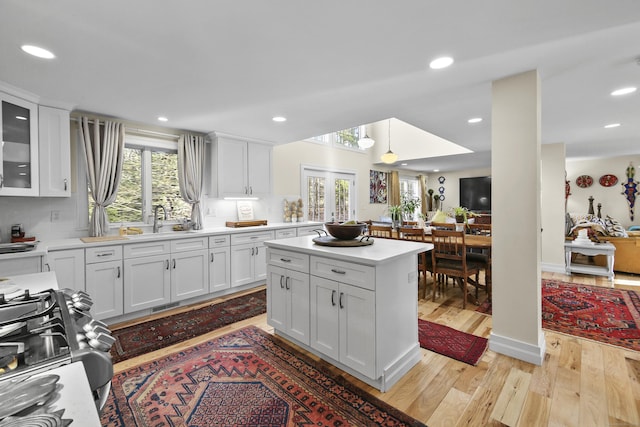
column 329, row 195
column 149, row 178
column 410, row 190
column 346, row 138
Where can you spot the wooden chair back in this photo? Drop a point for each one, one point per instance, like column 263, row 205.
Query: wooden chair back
column 443, row 225
column 411, row 233
column 384, row 231
column 449, row 257
column 481, row 229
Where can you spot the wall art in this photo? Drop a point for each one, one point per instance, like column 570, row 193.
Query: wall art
column 608, row 180
column 584, row 181
column 377, row 187
column 630, row 188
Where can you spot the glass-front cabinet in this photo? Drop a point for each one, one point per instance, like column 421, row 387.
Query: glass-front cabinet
column 19, row 152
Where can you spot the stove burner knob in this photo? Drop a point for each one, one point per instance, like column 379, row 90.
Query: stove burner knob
column 97, row 331
column 81, row 305
column 92, row 324
column 102, row 342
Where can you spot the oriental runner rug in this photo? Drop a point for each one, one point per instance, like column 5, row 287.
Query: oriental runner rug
column 606, row 315
column 155, row 334
column 245, row 378
column 450, row 342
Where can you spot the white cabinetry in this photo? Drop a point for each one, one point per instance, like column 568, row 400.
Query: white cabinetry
column 219, row 263
column 22, row 265
column 69, row 268
column 55, row 152
column 104, row 282
column 189, row 268
column 309, row 230
column 288, row 293
column 18, row 147
column 147, row 275
column 285, row 233
column 242, row 168
column 164, row 271
column 248, row 257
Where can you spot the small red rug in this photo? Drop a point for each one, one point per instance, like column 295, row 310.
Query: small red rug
column 450, row 342
column 155, row 334
column 245, row 378
column 607, row 315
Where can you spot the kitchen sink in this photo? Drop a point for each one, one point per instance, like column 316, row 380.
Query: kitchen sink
column 10, row 248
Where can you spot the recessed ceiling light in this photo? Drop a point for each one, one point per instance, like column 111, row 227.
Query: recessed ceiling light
column 436, row 170
column 475, row 120
column 612, row 125
column 404, row 164
column 279, row 119
column 442, row 62
column 37, row 51
column 163, row 119
column 624, row 91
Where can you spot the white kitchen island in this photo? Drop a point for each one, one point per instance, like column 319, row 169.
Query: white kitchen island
column 355, row 307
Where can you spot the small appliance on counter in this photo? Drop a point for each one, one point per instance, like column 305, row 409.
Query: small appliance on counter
column 18, row 235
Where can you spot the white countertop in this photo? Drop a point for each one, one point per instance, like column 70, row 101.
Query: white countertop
column 381, row 251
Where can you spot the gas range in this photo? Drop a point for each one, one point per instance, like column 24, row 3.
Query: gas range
column 46, row 330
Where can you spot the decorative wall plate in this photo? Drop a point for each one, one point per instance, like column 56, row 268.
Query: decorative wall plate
column 584, row 181
column 441, row 197
column 441, row 190
column 441, row 180
column 608, row 180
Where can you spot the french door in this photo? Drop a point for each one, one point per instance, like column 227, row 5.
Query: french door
column 329, row 196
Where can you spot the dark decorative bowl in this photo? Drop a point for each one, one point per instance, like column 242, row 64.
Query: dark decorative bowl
column 344, row 232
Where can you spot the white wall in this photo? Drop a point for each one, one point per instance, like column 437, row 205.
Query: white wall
column 552, row 206
column 452, row 184
column 613, row 202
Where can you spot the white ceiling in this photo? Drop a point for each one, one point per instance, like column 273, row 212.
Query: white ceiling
column 230, row 66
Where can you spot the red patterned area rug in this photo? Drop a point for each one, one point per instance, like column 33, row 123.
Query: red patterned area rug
column 607, row 315
column 245, row 378
column 155, row 334
column 450, row 342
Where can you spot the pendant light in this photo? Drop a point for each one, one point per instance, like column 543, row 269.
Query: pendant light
column 389, row 157
column 365, row 142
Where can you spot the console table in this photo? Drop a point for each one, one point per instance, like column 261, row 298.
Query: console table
column 607, row 249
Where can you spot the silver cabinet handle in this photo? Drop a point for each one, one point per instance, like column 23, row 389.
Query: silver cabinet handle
column 257, row 249
column 338, row 271
column 167, row 264
column 174, row 264
column 118, row 275
column 286, row 283
column 250, row 190
column 48, row 266
column 1, row 180
column 252, row 251
column 340, row 300
column 285, row 260
column 65, row 184
column 281, row 282
column 211, row 257
column 333, row 298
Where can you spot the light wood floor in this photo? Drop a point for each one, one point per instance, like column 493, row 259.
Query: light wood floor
column 581, row 383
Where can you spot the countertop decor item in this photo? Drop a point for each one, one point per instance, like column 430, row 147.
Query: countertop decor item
column 345, row 231
column 608, row 180
column 584, row 181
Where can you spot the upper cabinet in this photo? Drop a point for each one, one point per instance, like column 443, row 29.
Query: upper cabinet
column 19, row 149
column 55, row 152
column 240, row 168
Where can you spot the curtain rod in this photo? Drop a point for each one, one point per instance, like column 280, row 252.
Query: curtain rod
column 134, row 130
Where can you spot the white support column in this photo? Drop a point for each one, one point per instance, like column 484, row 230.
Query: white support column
column 516, row 251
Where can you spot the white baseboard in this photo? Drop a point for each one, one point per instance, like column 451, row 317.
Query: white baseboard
column 552, row 268
column 518, row 349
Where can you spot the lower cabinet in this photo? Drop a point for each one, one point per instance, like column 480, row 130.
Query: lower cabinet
column 343, row 323
column 161, row 272
column 69, row 266
column 248, row 257
column 219, row 263
column 22, row 265
column 104, row 280
column 288, row 302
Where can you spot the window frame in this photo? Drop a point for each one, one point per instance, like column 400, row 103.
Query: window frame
column 330, row 140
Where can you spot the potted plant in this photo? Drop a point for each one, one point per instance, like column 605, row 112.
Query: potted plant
column 395, row 212
column 461, row 214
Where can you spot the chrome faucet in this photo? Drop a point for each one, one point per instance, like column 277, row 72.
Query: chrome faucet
column 156, row 226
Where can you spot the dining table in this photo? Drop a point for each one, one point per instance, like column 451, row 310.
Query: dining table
column 480, row 242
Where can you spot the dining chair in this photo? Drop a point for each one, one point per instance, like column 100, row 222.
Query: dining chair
column 443, row 225
column 384, row 231
column 481, row 256
column 424, row 258
column 449, row 257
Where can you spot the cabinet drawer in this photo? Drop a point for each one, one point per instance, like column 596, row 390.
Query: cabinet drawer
column 285, row 233
column 147, row 248
column 362, row 276
column 290, row 260
column 184, row 245
column 219, row 241
column 310, row 230
column 103, row 253
column 261, row 236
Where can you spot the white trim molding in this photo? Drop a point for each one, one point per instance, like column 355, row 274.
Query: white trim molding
column 518, row 349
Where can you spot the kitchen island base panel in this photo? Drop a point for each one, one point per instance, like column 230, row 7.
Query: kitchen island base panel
column 391, row 374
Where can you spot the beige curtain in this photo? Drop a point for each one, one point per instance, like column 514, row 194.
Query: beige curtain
column 191, row 162
column 393, row 188
column 103, row 145
column 422, row 180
